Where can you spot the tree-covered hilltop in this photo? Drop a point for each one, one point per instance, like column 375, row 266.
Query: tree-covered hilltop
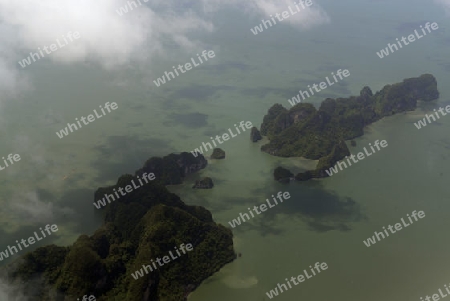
column 304, row 131
column 171, row 169
column 142, row 225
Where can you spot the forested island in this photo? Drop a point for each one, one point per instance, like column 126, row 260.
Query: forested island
column 140, row 226
column 304, row 131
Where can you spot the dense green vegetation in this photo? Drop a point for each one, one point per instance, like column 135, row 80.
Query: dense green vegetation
column 171, row 169
column 304, row 131
column 140, row 226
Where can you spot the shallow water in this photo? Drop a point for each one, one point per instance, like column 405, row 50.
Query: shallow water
column 248, row 75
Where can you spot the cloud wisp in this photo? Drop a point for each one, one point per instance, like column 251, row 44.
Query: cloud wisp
column 148, row 32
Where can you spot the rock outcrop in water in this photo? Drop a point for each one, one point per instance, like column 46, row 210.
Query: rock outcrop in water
column 139, row 227
column 171, row 169
column 255, row 135
column 304, row 131
column 205, row 183
column 282, row 174
column 218, row 153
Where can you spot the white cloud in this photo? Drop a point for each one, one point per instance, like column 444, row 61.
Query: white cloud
column 11, row 81
column 11, row 293
column 445, row 4
column 19, row 291
column 111, row 40
column 105, row 36
column 304, row 19
column 30, row 208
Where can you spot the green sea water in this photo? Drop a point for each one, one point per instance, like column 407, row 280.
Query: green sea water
column 325, row 220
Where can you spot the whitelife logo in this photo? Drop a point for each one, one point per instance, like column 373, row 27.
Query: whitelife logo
column 225, row 137
column 65, row 132
column 12, row 250
column 323, row 85
column 280, row 195
column 162, row 80
column 284, row 15
column 27, row 61
column 300, row 278
column 371, row 240
column 334, row 169
column 411, row 38
column 146, row 177
column 86, row 298
column 165, row 259
column 16, row 158
column 423, row 122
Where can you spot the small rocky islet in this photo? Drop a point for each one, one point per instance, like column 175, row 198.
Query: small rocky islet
column 218, row 154
column 205, row 183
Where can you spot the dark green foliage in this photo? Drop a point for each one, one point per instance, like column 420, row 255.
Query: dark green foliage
column 171, row 169
column 138, row 227
column 304, row 176
column 255, row 135
column 339, row 152
column 81, row 270
column 268, row 121
column 41, row 260
column 281, row 173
